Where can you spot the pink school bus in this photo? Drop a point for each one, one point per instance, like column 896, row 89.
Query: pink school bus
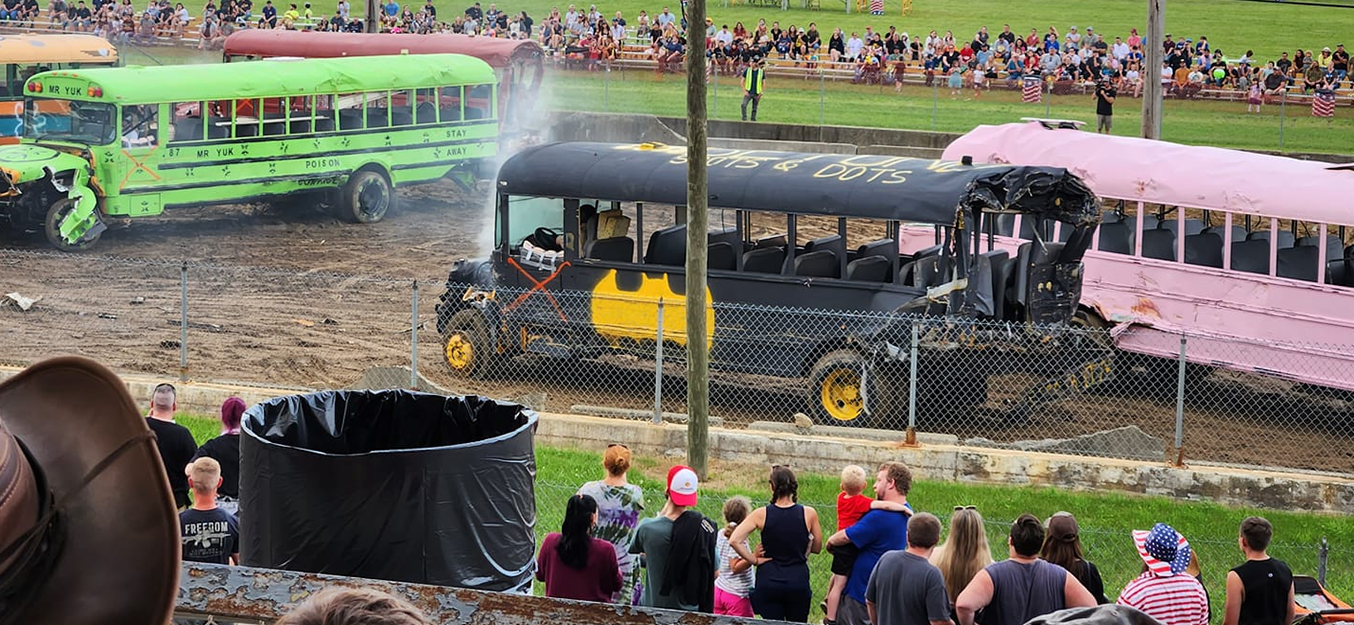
column 1246, row 255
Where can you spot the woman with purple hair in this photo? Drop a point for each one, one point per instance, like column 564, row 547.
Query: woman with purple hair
column 225, row 449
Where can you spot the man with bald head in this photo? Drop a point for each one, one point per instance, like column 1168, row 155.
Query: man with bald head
column 174, row 441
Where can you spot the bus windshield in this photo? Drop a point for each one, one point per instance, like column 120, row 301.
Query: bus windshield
column 50, row 119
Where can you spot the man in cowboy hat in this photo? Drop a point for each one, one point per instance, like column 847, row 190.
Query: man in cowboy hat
column 1165, row 591
column 85, row 494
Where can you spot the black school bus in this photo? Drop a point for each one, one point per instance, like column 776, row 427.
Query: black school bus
column 590, row 236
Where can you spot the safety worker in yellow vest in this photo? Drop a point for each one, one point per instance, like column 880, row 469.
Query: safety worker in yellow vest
column 754, row 79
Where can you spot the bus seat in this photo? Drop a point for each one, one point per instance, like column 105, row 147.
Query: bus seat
column 246, row 130
column 667, row 246
column 401, row 115
column 999, row 263
column 1017, row 283
column 474, row 113
column 1338, row 272
column 1064, row 232
column 188, row 129
column 1159, row 244
column 1349, row 252
column 1111, row 217
column 1299, row 263
column 1005, row 305
column 1285, row 238
column 926, row 252
column 819, row 264
column 1029, row 256
column 451, row 114
column 1116, row 237
column 907, row 274
column 378, row 117
column 1251, row 256
column 1028, row 223
column 1204, row 249
column 834, row 243
column 610, row 223
column 1238, row 232
column 886, row 248
column 933, row 271
column 721, row 256
column 775, row 240
column 323, row 124
column 1005, row 225
column 727, row 235
column 1149, row 222
column 618, row 249
column 869, row 269
column 275, row 129
column 425, row 113
column 1192, row 226
column 350, row 119
column 300, row 127
column 217, row 127
column 764, row 260
column 1333, row 245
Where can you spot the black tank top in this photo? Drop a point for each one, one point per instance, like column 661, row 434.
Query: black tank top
column 1266, row 583
column 786, row 541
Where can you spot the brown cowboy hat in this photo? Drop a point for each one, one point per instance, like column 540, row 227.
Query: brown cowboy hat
column 88, row 530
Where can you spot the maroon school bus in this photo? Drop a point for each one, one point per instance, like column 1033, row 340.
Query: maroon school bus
column 519, row 63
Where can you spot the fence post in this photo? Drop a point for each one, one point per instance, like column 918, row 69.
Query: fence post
column 1180, row 406
column 822, row 95
column 935, row 101
column 658, row 370
column 912, row 389
column 1048, row 100
column 1322, row 553
column 183, row 322
column 413, row 339
column 606, row 90
column 1283, row 99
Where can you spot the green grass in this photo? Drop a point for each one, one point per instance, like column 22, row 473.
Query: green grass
column 1106, row 518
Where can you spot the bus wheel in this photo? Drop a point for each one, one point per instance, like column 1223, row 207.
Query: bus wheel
column 55, row 214
column 836, row 389
column 466, row 345
column 366, row 198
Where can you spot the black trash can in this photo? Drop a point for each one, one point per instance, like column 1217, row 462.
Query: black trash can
column 393, row 485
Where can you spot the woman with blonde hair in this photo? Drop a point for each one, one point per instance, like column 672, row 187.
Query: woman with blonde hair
column 619, row 504
column 965, row 551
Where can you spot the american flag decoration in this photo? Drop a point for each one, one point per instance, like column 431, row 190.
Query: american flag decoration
column 1323, row 105
column 1032, row 90
column 1164, row 550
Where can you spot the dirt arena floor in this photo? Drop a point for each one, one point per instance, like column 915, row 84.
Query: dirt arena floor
column 293, row 297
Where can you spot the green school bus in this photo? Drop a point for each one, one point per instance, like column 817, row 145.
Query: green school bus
column 118, row 143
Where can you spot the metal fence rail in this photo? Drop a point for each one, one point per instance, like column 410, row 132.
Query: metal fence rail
column 1063, row 390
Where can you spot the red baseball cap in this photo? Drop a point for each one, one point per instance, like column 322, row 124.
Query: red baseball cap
column 682, row 485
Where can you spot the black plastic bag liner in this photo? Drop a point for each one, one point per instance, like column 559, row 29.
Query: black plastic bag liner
column 392, row 485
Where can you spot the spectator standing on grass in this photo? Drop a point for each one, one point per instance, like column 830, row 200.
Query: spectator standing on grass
column 852, row 504
column 875, row 534
column 964, row 553
column 174, row 441
column 575, row 565
column 225, row 449
column 754, row 85
column 1104, row 105
column 1062, row 546
column 904, row 588
column 1023, row 586
column 734, row 582
column 790, row 531
column 1165, row 591
column 1260, row 590
column 619, row 504
column 678, row 549
column 209, row 534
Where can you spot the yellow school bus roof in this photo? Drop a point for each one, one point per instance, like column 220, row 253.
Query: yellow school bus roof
column 39, row 49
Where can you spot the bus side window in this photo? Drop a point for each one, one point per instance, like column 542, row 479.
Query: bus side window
column 140, row 127
column 301, row 110
column 378, row 109
column 449, row 106
column 323, row 114
column 274, row 116
column 479, row 102
column 349, row 107
column 187, row 122
column 425, row 108
column 246, row 117
column 401, row 108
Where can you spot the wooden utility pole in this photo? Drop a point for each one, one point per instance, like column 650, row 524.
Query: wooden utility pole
column 697, row 350
column 371, row 23
column 1151, row 69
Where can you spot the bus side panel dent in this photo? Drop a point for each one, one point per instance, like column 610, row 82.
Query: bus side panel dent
column 84, row 220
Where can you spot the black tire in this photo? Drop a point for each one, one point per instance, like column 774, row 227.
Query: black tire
column 366, row 198
column 844, row 391
column 55, row 214
column 467, row 348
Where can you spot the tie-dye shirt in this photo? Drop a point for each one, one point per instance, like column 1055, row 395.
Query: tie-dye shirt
column 618, row 512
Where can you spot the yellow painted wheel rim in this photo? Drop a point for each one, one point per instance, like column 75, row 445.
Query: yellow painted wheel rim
column 460, row 353
column 841, row 395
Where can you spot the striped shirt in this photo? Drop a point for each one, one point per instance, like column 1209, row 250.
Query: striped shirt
column 736, row 584
column 1174, row 600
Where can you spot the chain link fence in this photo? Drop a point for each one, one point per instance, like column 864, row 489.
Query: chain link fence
column 985, row 384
